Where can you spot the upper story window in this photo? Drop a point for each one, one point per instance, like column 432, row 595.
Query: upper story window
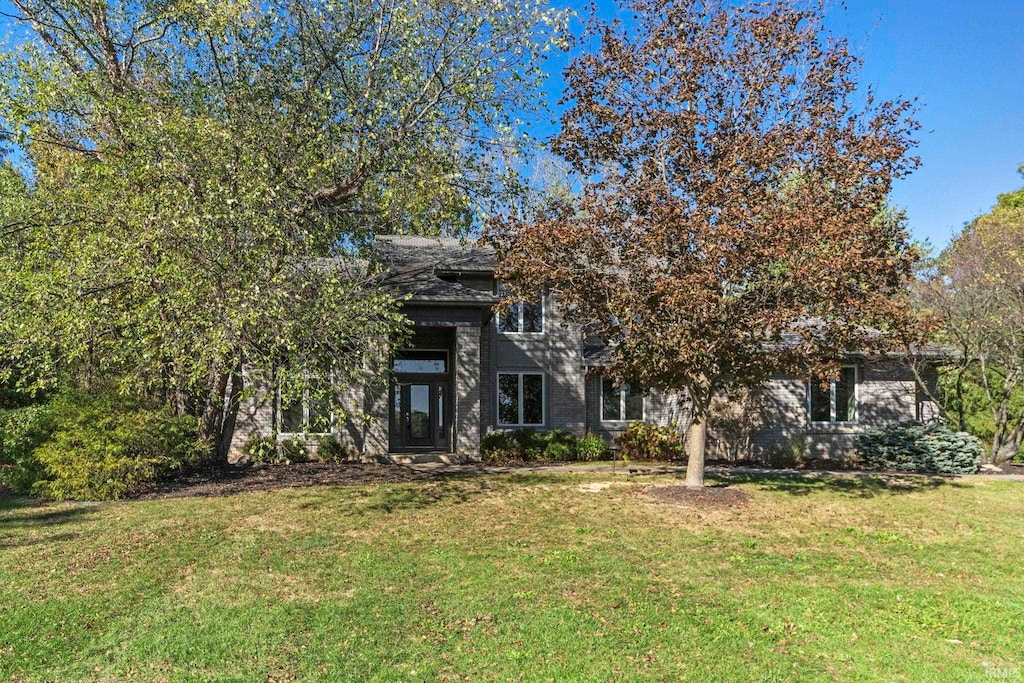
column 523, row 317
column 837, row 401
column 620, row 403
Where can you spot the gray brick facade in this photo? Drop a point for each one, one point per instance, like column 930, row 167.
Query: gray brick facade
column 457, row 316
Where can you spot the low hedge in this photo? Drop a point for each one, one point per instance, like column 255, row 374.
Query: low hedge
column 556, row 445
column 916, row 447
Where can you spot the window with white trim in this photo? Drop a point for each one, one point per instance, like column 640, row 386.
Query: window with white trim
column 522, row 317
column 620, row 403
column 835, row 402
column 309, row 415
column 520, row 399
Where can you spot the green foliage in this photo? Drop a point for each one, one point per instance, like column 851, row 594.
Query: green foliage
column 592, row 448
column 648, row 441
column 202, row 174
column 102, row 449
column 259, row 449
column 560, row 445
column 329, row 449
column 968, row 404
column 557, row 445
column 920, row 448
column 293, row 451
column 22, row 430
column 498, row 446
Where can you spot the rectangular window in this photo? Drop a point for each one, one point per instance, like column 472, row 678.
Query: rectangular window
column 522, row 317
column 421, row 362
column 620, row 403
column 835, row 402
column 309, row 415
column 520, row 398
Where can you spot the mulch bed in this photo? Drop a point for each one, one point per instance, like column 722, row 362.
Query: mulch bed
column 707, row 497
column 226, row 482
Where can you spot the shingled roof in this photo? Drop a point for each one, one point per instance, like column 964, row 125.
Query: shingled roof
column 424, row 268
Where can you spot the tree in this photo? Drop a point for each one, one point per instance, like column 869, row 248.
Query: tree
column 975, row 291
column 202, row 177
column 733, row 222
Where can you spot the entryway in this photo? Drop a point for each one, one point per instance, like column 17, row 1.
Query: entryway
column 420, row 402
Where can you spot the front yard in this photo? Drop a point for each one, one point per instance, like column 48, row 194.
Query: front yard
column 528, row 576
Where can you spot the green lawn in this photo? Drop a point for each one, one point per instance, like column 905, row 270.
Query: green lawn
column 521, row 577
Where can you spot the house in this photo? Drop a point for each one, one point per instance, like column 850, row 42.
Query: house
column 468, row 370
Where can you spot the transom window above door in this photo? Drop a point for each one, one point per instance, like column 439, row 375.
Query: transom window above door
column 414, row 362
column 522, row 317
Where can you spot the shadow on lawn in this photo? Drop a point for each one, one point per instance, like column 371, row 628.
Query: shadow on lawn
column 443, row 488
column 849, row 485
column 21, row 514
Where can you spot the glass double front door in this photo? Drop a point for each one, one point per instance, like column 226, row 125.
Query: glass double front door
column 419, row 415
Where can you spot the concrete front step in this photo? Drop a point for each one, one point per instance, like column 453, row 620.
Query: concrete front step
column 424, row 458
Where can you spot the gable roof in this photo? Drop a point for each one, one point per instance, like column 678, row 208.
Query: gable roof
column 425, row 269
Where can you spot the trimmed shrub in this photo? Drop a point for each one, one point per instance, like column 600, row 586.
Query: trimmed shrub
column 293, row 450
column 560, row 445
column 528, row 444
column 916, row 447
column 329, row 449
column 22, row 430
column 100, row 451
column 259, row 449
column 647, row 441
column 591, row 448
column 559, row 451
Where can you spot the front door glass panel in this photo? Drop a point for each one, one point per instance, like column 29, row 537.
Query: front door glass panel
column 419, row 411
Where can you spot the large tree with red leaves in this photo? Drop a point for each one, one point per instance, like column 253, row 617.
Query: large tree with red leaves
column 732, row 222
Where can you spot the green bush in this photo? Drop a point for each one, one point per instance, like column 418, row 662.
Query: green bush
column 916, row 447
column 329, row 449
column 528, row 444
column 294, row 450
column 647, row 441
column 592, row 448
column 498, row 446
column 560, row 445
column 22, row 430
column 559, row 451
column 102, row 449
column 259, row 449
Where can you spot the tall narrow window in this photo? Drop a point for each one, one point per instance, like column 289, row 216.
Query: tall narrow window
column 521, row 317
column 620, row 403
column 836, row 401
column 520, row 399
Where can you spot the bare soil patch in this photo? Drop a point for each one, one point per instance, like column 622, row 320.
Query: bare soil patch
column 707, row 497
column 232, row 480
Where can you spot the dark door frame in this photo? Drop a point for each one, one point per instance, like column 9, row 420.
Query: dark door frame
column 440, row 413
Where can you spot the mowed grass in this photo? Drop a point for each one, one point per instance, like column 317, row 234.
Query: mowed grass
column 560, row 577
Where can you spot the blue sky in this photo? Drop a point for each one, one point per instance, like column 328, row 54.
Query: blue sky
column 964, row 62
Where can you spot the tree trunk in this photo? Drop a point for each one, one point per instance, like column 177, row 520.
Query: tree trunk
column 213, row 414
column 695, row 452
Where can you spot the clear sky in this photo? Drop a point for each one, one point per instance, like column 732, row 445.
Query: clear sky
column 964, row 62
